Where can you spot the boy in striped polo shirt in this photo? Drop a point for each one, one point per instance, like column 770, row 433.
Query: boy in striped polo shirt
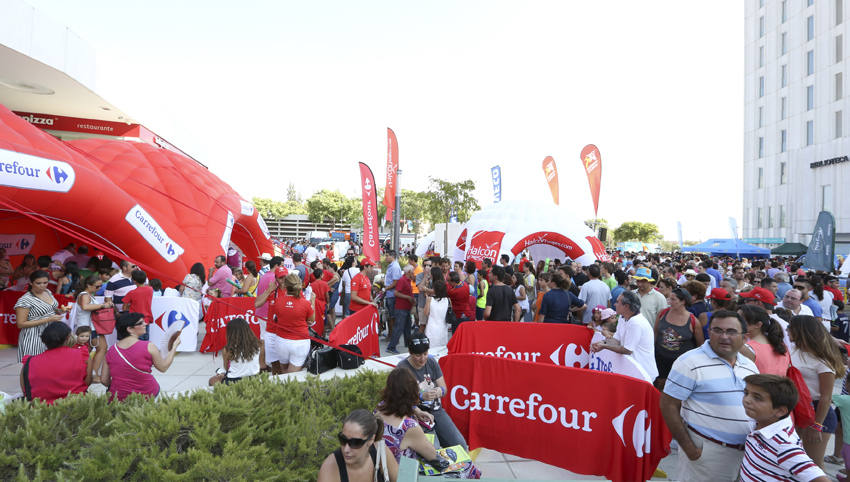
column 773, row 449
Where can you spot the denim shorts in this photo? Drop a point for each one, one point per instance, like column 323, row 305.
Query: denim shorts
column 830, row 423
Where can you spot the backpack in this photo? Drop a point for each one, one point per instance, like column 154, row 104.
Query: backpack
column 346, row 360
column 803, row 413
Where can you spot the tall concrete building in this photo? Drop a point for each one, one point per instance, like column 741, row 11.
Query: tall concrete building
column 796, row 112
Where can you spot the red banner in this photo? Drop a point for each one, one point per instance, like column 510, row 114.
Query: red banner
column 592, row 161
column 484, row 244
column 565, row 244
column 592, row 423
column 551, row 173
column 9, row 329
column 371, row 242
column 219, row 314
column 361, row 329
column 550, row 343
column 392, row 173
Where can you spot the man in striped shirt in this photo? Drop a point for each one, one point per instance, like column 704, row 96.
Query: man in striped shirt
column 774, row 450
column 120, row 284
column 701, row 403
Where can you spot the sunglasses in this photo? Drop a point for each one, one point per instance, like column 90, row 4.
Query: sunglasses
column 354, row 443
column 799, row 287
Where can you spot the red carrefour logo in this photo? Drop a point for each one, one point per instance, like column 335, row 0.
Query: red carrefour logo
column 484, row 244
column 565, row 244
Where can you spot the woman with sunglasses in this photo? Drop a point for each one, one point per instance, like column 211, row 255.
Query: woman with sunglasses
column 358, row 457
column 85, row 307
column 676, row 331
column 129, row 361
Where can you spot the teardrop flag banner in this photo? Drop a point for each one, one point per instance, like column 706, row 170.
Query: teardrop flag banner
column 551, row 173
column 592, row 161
column 496, row 174
column 371, row 243
column 392, row 173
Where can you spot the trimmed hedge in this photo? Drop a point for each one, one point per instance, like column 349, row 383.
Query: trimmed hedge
column 254, row 429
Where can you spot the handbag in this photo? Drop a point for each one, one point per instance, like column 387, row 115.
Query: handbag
column 346, row 360
column 803, row 413
column 451, row 319
column 321, row 360
column 103, row 320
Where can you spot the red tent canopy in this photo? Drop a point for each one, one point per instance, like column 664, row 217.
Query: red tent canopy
column 134, row 200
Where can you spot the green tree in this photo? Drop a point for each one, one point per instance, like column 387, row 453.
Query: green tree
column 291, row 194
column 330, row 205
column 270, row 208
column 637, row 231
column 600, row 223
column 414, row 205
column 445, row 198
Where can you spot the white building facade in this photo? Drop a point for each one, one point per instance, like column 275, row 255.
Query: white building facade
column 796, row 113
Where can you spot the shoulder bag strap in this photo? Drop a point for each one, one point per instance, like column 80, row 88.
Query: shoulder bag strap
column 340, row 465
column 118, row 349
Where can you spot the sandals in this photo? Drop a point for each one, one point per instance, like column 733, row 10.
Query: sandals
column 832, row 459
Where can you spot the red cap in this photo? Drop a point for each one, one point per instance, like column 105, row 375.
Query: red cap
column 761, row 294
column 719, row 294
column 366, row 262
column 280, row 272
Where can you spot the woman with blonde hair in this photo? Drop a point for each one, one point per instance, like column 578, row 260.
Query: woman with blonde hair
column 819, row 361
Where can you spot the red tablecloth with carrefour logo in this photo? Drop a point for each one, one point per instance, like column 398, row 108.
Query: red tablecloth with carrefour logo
column 584, row 421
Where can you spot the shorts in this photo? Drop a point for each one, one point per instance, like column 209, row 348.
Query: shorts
column 830, row 423
column 286, row 351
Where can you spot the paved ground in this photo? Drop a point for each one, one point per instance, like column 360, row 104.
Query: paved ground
column 191, row 371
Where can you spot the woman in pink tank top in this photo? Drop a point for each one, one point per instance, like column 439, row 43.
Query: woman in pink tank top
column 129, row 362
column 764, row 344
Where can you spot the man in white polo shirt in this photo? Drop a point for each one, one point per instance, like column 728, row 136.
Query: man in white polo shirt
column 702, row 402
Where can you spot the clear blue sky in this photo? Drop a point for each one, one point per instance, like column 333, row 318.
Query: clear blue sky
column 268, row 92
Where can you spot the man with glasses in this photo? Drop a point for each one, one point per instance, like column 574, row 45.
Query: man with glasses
column 805, row 287
column 701, row 403
column 792, row 301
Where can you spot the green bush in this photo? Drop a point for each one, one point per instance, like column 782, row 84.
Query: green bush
column 254, row 429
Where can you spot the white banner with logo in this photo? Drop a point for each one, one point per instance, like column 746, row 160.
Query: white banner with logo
column 171, row 315
column 17, row 244
column 611, row 362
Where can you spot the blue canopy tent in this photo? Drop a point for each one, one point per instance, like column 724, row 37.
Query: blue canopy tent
column 728, row 247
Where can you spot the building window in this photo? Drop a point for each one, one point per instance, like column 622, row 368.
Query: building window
column 782, row 108
column 810, row 62
column 810, row 27
column 761, row 3
column 839, row 86
column 809, row 3
column 758, row 218
column 810, row 132
column 761, row 26
column 761, row 176
column 784, row 43
column 784, row 75
column 761, row 56
column 838, row 126
column 784, row 10
column 839, row 11
column 826, row 198
column 761, row 116
column 839, row 48
column 770, row 216
column 783, row 173
column 781, row 215
column 761, row 86
column 810, row 97
column 783, row 139
column 761, row 152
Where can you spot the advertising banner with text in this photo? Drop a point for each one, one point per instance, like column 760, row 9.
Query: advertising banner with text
column 586, row 422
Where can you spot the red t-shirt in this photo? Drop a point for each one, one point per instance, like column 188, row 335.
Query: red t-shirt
column 361, row 285
column 140, row 300
column 291, row 317
column 320, row 289
column 403, row 286
column 459, row 295
column 327, row 275
column 56, row 372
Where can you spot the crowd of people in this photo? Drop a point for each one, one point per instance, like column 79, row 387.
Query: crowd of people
column 720, row 337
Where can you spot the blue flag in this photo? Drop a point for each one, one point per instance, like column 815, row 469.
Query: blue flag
column 496, row 173
column 822, row 247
